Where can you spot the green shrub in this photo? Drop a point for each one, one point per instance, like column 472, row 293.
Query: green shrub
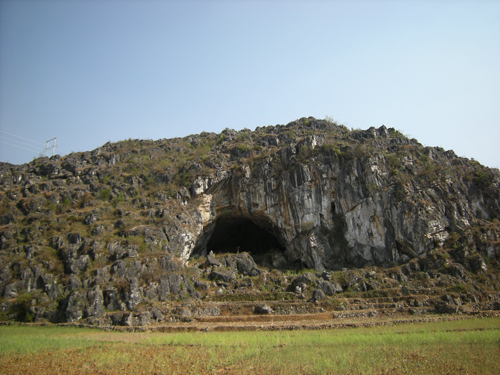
column 459, row 288
column 243, row 148
column 150, row 180
column 104, row 179
column 372, row 188
column 120, row 198
column 304, row 153
column 221, row 139
column 397, row 134
column 482, row 179
column 331, row 120
column 22, row 307
column 66, row 201
column 185, row 178
column 105, row 194
column 393, row 163
column 52, row 207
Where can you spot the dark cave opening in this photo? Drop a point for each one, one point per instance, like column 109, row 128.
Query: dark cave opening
column 235, row 234
column 240, row 234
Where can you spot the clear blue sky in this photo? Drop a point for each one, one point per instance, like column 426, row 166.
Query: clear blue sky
column 88, row 72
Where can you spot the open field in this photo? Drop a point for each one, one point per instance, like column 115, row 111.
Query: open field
column 470, row 346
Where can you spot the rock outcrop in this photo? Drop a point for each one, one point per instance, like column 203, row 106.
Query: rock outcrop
column 383, row 200
column 119, row 228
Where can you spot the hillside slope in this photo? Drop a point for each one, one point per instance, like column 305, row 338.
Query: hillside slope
column 131, row 224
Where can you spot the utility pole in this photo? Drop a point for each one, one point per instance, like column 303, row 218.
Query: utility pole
column 48, row 146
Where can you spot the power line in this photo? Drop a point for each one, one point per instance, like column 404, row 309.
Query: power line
column 26, row 139
column 13, row 140
column 10, row 144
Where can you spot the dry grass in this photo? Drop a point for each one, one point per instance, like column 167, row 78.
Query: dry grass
column 469, row 346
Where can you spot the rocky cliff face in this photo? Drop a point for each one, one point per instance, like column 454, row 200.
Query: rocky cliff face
column 380, row 200
column 115, row 227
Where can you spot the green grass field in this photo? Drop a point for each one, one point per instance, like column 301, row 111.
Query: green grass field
column 470, row 346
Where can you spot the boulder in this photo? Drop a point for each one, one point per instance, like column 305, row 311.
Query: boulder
column 330, row 287
column 306, row 278
column 246, row 265
column 212, row 261
column 262, row 309
column 156, row 314
column 222, row 274
column 318, row 295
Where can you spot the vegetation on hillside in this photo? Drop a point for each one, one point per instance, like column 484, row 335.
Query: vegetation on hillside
column 98, row 207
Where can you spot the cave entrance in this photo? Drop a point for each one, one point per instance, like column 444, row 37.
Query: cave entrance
column 240, row 234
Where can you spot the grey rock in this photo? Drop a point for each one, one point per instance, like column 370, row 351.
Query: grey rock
column 318, row 295
column 326, row 276
column 95, row 303
column 183, row 194
column 278, row 260
column 246, row 265
column 222, row 274
column 126, row 269
column 164, row 289
column 74, row 283
column 127, row 252
column 10, row 290
column 79, row 264
column 174, row 282
column 457, row 270
column 4, row 274
column 102, row 274
column 91, row 218
column 212, row 261
column 98, row 230
column 7, row 219
column 111, row 299
column 201, row 285
column 30, row 252
column 246, row 283
column 170, row 264
column 134, row 296
column 190, row 289
column 262, row 309
column 144, row 319
column 330, row 287
column 231, row 263
column 74, row 238
column 302, row 282
column 75, row 304
column 156, row 314
column 477, row 264
column 127, row 319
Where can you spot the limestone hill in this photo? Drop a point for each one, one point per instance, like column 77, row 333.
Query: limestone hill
column 305, row 218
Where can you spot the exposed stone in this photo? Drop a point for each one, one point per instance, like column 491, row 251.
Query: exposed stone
column 246, row 265
column 212, row 261
column 457, row 270
column 304, row 280
column 222, row 274
column 330, row 287
column 262, row 309
column 318, row 295
column 156, row 314
column 477, row 263
column 310, row 194
column 174, row 282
